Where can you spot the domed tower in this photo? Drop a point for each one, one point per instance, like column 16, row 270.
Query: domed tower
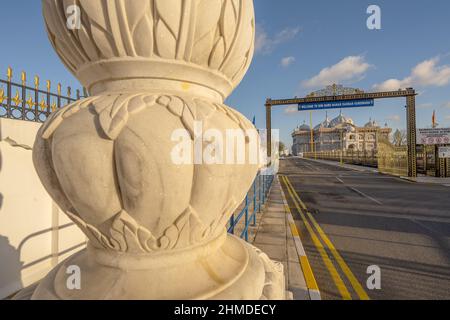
column 325, row 124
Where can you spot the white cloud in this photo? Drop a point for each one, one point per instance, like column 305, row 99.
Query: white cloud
column 349, row 69
column 291, row 109
column 394, row 117
column 426, row 74
column 287, row 61
column 447, row 117
column 446, row 105
column 265, row 44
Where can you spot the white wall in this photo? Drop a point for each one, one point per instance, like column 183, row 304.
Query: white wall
column 34, row 234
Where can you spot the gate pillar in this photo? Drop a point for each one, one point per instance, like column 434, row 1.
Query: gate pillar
column 156, row 227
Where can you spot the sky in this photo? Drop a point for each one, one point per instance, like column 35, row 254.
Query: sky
column 301, row 46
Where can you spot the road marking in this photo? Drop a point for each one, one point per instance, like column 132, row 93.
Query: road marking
column 345, row 268
column 430, row 229
column 360, row 192
column 340, row 180
column 310, row 167
column 343, row 291
column 310, row 280
column 365, row 195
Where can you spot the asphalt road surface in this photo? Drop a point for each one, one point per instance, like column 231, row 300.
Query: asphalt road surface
column 353, row 221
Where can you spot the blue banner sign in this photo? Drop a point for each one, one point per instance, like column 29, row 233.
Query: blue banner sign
column 336, row 104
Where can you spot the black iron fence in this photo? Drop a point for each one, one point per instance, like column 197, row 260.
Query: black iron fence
column 20, row 101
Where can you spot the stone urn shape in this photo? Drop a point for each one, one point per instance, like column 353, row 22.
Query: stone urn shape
column 156, row 228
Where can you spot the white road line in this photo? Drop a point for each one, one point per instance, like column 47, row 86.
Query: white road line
column 430, row 229
column 311, row 167
column 360, row 192
column 340, row 180
column 366, row 196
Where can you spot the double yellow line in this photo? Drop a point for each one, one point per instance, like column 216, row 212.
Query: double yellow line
column 320, row 234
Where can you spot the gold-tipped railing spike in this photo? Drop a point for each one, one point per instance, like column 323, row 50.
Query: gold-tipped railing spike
column 36, row 82
column 9, row 74
column 35, row 100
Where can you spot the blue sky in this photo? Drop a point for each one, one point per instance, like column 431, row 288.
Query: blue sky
column 301, row 46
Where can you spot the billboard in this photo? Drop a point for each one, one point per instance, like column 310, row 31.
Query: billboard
column 336, row 104
column 433, row 136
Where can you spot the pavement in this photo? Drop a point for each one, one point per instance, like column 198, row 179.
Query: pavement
column 429, row 180
column 368, row 235
column 275, row 237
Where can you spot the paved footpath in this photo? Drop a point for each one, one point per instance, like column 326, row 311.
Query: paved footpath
column 278, row 237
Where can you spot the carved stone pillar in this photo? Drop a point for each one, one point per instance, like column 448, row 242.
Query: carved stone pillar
column 156, row 229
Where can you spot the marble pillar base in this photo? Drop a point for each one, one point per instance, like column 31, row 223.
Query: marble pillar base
column 226, row 268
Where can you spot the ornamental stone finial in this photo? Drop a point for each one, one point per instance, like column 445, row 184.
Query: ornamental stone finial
column 156, row 228
column 203, row 47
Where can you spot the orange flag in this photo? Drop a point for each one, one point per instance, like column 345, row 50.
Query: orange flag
column 433, row 120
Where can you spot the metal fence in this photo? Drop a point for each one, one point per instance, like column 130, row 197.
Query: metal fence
column 21, row 101
column 389, row 159
column 392, row 160
column 255, row 199
column 363, row 158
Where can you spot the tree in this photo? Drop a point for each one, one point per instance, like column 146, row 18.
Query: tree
column 400, row 138
column 281, row 147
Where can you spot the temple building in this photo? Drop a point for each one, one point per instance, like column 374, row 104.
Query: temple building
column 338, row 134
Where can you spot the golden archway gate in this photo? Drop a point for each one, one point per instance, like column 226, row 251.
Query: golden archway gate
column 409, row 94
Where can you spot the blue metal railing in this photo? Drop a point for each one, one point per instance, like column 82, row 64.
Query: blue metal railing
column 256, row 197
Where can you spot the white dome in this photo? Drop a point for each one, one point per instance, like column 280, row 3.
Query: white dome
column 304, row 127
column 371, row 124
column 325, row 124
column 339, row 120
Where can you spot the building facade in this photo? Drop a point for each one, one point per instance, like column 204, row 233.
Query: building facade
column 338, row 134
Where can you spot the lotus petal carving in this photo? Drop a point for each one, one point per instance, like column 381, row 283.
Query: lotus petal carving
column 212, row 34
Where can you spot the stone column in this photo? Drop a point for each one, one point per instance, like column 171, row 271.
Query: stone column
column 156, row 227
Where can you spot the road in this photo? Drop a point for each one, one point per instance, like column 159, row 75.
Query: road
column 351, row 220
